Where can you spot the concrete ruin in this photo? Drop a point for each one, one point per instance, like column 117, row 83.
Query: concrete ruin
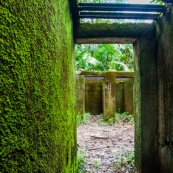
column 38, row 92
column 153, row 84
column 104, row 93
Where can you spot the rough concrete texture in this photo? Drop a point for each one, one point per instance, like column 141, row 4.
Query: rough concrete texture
column 145, row 100
column 110, row 32
column 109, row 100
column 93, row 97
column 128, row 96
column 80, row 94
column 165, row 94
column 104, row 92
column 119, row 96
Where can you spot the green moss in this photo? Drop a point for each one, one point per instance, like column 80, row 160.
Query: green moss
column 37, row 101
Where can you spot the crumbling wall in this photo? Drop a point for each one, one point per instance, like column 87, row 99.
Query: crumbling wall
column 37, row 93
column 165, row 93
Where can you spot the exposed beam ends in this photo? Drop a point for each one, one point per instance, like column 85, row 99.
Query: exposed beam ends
column 101, row 15
column 119, row 11
column 120, row 7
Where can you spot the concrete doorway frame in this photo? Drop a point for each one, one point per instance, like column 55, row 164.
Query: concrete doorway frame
column 143, row 38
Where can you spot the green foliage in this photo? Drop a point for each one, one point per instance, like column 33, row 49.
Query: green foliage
column 97, row 163
column 124, row 160
column 80, row 119
column 80, row 161
column 157, row 2
column 103, row 57
column 37, row 95
column 126, row 117
column 103, row 121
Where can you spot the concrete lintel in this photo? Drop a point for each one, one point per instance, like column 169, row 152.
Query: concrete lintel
column 112, row 32
column 110, row 40
column 118, row 74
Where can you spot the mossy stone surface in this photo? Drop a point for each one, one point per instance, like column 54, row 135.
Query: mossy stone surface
column 37, row 93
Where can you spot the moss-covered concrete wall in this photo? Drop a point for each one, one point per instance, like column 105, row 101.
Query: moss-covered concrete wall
column 37, row 93
column 165, row 94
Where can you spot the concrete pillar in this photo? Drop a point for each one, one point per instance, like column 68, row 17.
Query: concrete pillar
column 145, row 103
column 109, row 100
column 80, row 94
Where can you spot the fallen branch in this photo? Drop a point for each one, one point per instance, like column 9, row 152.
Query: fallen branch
column 89, row 149
column 99, row 137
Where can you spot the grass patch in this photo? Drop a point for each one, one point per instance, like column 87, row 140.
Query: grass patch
column 80, row 119
column 125, row 160
column 126, row 117
column 80, row 161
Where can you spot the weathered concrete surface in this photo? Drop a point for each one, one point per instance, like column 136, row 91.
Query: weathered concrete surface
column 109, row 100
column 145, row 103
column 165, row 101
column 93, row 97
column 111, row 33
column 80, row 94
column 119, row 96
column 104, row 91
column 128, row 96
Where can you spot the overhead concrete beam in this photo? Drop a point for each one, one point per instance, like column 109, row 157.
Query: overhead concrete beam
column 123, row 33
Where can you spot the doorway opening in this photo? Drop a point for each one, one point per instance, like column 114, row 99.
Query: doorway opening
column 105, row 143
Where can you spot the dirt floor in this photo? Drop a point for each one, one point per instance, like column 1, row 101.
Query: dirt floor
column 106, row 148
